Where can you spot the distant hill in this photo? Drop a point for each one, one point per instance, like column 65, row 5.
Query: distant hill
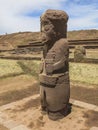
column 11, row 41
column 82, row 34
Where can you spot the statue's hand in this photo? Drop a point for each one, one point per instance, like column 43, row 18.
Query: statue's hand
column 49, row 68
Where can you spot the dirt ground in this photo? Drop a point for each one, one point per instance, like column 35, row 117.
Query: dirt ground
column 85, row 93
column 19, row 87
column 16, row 88
column 3, row 128
column 28, row 113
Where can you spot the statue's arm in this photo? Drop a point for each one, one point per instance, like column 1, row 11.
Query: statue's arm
column 60, row 64
column 64, row 58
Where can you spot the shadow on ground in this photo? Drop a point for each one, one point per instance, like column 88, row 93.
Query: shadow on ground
column 11, row 96
column 89, row 95
column 2, row 127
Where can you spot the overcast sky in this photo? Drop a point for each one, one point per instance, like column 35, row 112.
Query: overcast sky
column 24, row 15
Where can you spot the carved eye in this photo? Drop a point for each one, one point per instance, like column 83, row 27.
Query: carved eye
column 45, row 22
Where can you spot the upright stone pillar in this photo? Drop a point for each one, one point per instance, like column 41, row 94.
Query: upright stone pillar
column 54, row 69
column 79, row 54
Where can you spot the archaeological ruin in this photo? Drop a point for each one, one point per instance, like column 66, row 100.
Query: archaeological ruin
column 54, row 68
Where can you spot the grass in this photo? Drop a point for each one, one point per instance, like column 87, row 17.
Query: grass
column 9, row 68
column 85, row 73
column 80, row 72
column 90, row 53
column 30, row 67
column 16, row 88
column 14, row 68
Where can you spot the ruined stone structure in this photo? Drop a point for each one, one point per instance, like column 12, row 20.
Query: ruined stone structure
column 79, row 54
column 54, row 69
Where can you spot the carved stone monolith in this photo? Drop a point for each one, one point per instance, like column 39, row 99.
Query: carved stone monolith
column 54, row 69
column 79, row 53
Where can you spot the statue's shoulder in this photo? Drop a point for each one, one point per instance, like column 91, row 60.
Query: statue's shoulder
column 60, row 45
column 63, row 42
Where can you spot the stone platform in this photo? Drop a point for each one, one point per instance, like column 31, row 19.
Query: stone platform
column 26, row 115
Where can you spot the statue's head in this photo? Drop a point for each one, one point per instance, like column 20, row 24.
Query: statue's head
column 53, row 25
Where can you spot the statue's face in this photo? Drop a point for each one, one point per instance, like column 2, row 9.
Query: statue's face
column 48, row 31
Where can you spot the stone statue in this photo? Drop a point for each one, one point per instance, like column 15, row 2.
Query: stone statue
column 54, row 69
column 79, row 53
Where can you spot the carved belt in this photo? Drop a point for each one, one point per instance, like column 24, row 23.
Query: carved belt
column 52, row 81
column 63, row 78
column 48, row 80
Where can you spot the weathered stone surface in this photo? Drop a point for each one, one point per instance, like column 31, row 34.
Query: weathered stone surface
column 54, row 69
column 54, row 24
column 84, row 105
column 79, row 54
